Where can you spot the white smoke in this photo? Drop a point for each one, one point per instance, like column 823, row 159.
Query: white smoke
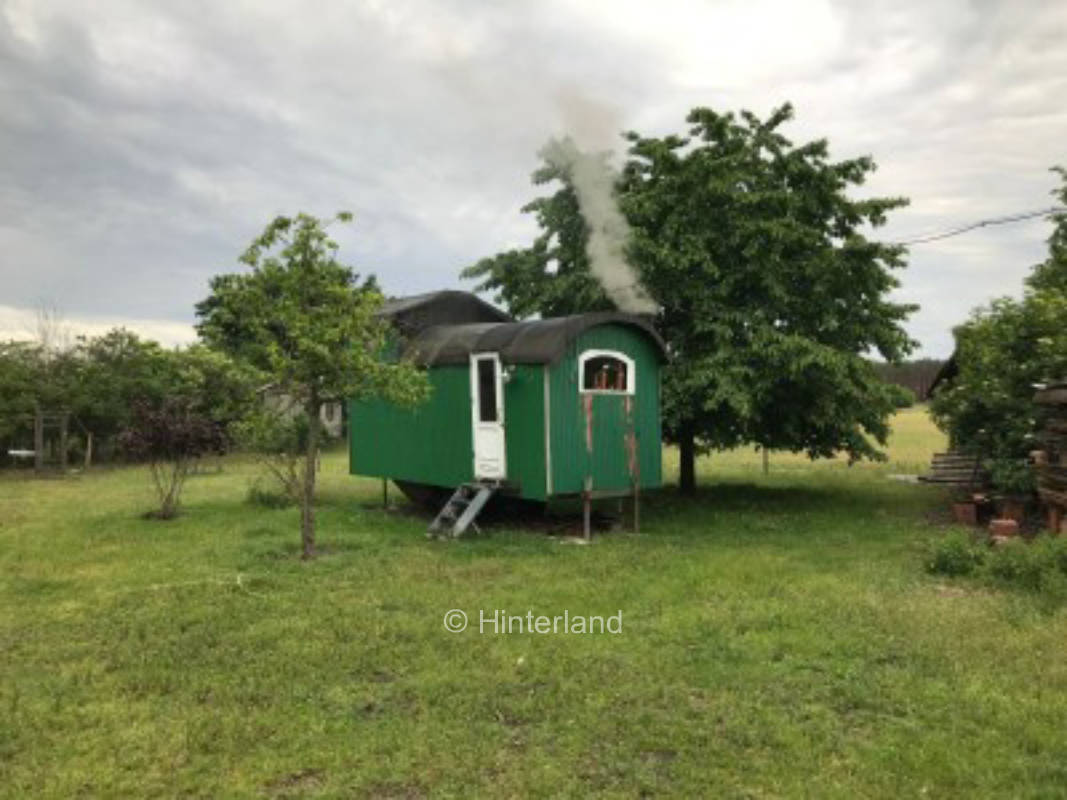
column 593, row 180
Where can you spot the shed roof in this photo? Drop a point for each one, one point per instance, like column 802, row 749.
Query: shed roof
column 449, row 307
column 541, row 341
column 949, row 370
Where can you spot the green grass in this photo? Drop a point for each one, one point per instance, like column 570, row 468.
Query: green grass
column 780, row 638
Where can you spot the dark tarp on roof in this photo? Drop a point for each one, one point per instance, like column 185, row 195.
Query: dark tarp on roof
column 418, row 312
column 541, row 341
column 949, row 370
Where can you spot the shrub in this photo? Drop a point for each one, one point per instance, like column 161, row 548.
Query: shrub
column 268, row 498
column 1039, row 567
column 170, row 437
column 278, row 442
column 903, row 397
column 956, row 554
column 1018, row 563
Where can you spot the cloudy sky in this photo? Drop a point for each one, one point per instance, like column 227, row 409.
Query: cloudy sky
column 144, row 143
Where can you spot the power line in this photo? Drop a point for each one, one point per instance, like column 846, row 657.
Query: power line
column 933, row 237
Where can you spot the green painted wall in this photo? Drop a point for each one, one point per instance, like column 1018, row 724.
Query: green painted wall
column 432, row 444
column 429, row 444
column 609, row 462
column 524, row 429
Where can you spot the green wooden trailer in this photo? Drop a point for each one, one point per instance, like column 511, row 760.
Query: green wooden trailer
column 544, row 409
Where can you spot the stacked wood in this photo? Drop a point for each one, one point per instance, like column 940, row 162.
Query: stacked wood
column 1050, row 461
column 955, row 468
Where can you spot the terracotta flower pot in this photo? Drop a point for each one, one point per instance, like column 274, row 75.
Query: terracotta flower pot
column 1012, row 508
column 1004, row 527
column 965, row 513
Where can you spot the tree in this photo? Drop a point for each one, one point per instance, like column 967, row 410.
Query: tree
column 170, row 436
column 1052, row 272
column 1002, row 351
column 308, row 323
column 770, row 293
column 102, row 380
column 117, row 371
column 219, row 387
column 18, row 370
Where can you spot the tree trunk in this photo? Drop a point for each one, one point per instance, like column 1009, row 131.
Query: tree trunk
column 307, row 497
column 687, row 474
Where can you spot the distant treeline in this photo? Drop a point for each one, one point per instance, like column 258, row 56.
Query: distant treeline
column 915, row 375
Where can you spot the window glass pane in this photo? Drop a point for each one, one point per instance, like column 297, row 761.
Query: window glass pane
column 486, row 390
column 604, row 374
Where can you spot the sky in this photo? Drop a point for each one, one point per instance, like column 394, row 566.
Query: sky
column 144, row 144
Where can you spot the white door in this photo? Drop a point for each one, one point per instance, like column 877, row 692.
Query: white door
column 487, row 416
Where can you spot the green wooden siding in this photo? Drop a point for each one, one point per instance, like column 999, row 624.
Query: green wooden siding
column 524, row 429
column 609, row 463
column 428, row 444
column 432, row 443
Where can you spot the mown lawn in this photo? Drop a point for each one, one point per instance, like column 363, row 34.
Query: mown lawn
column 780, row 638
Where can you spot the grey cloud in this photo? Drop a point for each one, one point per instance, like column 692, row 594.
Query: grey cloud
column 143, row 145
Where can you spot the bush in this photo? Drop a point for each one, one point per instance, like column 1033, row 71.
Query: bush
column 956, row 554
column 1018, row 563
column 1012, row 475
column 170, row 437
column 267, row 498
column 903, row 397
column 1039, row 566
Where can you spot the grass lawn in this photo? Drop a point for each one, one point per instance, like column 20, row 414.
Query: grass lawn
column 779, row 638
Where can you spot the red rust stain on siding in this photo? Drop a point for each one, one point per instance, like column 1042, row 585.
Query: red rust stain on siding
column 630, row 440
column 587, row 407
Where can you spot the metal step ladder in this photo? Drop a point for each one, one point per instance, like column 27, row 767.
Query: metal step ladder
column 459, row 512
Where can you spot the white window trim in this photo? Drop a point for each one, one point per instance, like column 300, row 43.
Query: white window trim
column 631, row 372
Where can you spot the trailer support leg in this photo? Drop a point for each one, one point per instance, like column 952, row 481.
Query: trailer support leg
column 587, row 503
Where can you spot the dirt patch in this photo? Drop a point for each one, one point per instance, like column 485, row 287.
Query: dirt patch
column 295, row 783
column 950, row 591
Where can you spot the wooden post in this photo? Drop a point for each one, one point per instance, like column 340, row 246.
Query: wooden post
column 587, row 502
column 88, row 449
column 64, row 419
column 637, row 508
column 38, row 440
column 1055, row 516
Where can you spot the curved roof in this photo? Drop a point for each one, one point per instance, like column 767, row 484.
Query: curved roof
column 541, row 341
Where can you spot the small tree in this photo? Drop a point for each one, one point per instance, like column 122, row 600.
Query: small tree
column 310, row 325
column 170, row 437
column 278, row 442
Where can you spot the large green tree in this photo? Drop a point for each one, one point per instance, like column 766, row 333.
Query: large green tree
column 771, row 291
column 308, row 323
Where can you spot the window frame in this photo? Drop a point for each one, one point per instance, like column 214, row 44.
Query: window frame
column 631, row 372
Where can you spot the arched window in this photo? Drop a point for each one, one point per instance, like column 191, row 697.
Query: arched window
column 606, row 372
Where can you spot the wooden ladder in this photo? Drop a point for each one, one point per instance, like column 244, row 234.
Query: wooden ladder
column 459, row 512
